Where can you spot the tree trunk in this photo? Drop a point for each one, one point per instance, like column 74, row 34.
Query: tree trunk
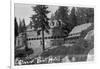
column 43, row 42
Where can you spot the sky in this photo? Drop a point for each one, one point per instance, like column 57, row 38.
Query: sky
column 25, row 11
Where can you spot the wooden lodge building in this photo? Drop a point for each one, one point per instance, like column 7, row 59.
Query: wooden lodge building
column 35, row 42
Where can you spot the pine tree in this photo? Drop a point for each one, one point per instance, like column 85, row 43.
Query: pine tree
column 85, row 15
column 15, row 28
column 31, row 24
column 24, row 34
column 73, row 18
column 90, row 15
column 62, row 17
column 20, row 26
column 23, row 26
column 62, row 14
column 40, row 21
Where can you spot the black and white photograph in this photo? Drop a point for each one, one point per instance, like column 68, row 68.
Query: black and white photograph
column 47, row 34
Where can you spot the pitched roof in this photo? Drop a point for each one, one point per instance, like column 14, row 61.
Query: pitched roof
column 80, row 28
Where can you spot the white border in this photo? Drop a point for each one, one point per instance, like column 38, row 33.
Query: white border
column 75, row 3
column 12, row 34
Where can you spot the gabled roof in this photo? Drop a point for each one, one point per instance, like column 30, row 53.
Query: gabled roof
column 76, row 31
column 80, row 28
